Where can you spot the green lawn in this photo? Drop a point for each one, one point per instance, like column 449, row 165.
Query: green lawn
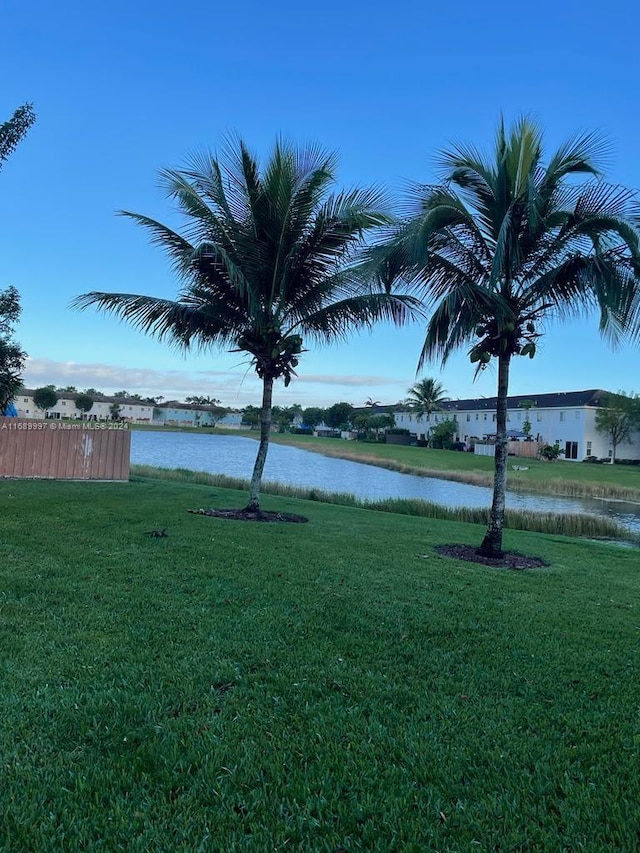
column 334, row 686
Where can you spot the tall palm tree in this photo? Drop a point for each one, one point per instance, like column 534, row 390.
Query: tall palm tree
column 266, row 259
column 426, row 396
column 506, row 241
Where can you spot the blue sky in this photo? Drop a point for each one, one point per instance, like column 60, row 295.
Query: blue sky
column 123, row 89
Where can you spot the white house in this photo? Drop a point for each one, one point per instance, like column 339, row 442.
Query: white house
column 232, row 420
column 174, row 413
column 134, row 411
column 105, row 408
column 567, row 419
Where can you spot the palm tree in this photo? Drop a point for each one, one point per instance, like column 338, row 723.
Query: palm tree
column 503, row 243
column 265, row 260
column 426, row 396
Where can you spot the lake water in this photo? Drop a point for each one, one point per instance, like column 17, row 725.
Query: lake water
column 234, row 456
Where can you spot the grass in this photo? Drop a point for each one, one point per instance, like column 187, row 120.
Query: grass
column 321, row 687
column 568, row 524
column 572, row 479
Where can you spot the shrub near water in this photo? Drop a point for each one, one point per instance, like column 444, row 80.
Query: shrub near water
column 336, row 686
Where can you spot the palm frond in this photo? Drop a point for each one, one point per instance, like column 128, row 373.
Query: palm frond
column 204, row 172
column 454, row 320
column 178, row 322
column 13, row 130
column 179, row 249
column 336, row 320
column 583, row 154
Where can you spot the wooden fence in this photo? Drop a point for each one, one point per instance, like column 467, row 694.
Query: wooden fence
column 524, row 449
column 81, row 450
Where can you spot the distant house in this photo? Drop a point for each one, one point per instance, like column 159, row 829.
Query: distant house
column 171, row 413
column 323, row 431
column 567, row 419
column 232, row 420
column 174, row 413
column 133, row 411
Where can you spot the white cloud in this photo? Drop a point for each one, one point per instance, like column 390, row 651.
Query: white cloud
column 235, row 388
column 357, row 381
column 109, row 378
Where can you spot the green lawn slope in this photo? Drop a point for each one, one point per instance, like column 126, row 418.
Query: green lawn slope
column 334, row 686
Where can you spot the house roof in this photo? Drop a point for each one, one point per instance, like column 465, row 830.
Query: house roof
column 192, row 407
column 559, row 400
column 97, row 398
column 129, row 401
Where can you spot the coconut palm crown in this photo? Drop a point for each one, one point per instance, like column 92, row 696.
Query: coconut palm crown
column 506, row 241
column 426, row 396
column 266, row 260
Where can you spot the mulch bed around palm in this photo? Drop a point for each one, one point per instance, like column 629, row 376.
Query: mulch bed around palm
column 509, row 560
column 246, row 515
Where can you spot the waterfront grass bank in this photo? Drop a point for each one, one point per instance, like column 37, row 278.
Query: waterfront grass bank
column 565, row 524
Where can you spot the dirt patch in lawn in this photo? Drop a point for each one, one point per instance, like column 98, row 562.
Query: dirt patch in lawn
column 250, row 515
column 509, row 560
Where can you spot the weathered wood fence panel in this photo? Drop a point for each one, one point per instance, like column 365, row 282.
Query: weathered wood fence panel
column 84, row 450
column 524, row 449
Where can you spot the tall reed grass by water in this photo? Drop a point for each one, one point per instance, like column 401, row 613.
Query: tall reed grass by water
column 559, row 486
column 571, row 524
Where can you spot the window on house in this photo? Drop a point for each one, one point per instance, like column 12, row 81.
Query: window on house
column 571, row 450
column 477, row 417
column 562, row 417
column 589, row 448
column 493, row 416
column 468, row 417
column 484, row 417
column 538, row 416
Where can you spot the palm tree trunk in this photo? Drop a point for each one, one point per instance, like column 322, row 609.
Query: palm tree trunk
column 492, row 542
column 261, row 458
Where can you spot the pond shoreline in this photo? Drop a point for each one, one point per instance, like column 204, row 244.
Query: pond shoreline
column 578, row 525
column 555, row 487
column 389, row 481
